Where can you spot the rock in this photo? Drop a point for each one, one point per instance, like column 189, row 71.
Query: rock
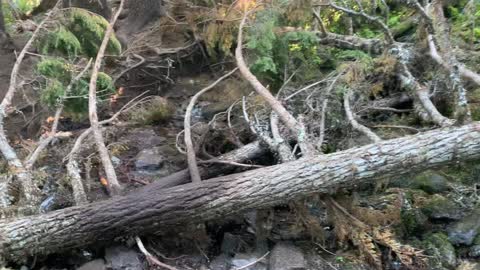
column 116, row 161
column 286, row 256
column 414, row 221
column 475, row 248
column 430, row 182
column 441, row 251
column 464, row 231
column 241, row 260
column 122, row 258
column 439, row 207
column 143, row 138
column 94, row 265
column 26, row 268
column 230, row 244
column 150, row 159
column 221, row 262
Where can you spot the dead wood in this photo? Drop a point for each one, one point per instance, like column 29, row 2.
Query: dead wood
column 112, row 182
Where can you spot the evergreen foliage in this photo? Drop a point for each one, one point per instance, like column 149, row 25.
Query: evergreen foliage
column 81, row 33
column 58, row 74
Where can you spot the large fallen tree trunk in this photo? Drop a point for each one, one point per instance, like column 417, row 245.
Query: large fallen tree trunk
column 153, row 208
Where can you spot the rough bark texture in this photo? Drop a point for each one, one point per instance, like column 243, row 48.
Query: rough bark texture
column 152, row 208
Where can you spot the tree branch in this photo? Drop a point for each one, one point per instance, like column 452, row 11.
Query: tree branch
column 113, row 184
column 191, row 156
column 16, row 166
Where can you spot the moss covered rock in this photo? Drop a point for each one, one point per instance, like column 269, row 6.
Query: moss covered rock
column 442, row 252
column 439, row 207
column 465, row 230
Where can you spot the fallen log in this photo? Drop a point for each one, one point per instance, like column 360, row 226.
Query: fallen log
column 247, row 152
column 151, row 208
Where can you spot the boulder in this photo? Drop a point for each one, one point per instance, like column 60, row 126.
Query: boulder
column 286, row 256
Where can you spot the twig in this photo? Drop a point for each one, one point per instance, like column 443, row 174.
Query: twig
column 324, row 249
column 351, row 118
column 113, row 185
column 30, row 191
column 254, row 262
column 142, row 60
column 191, row 156
column 386, row 30
column 233, row 163
column 150, row 257
column 388, row 109
column 397, row 126
column 321, row 137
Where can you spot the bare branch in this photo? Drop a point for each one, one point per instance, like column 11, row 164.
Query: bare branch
column 290, row 122
column 30, row 191
column 150, row 257
column 73, row 169
column 191, row 156
column 361, row 13
column 113, row 184
column 351, row 118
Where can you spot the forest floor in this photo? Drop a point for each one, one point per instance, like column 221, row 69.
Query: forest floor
column 431, row 214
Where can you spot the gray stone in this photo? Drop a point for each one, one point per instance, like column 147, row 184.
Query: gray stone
column 149, row 159
column 475, row 248
column 474, row 251
column 221, row 262
column 286, row 256
column 439, row 207
column 465, row 230
column 122, row 258
column 431, row 183
column 441, row 251
column 94, row 265
column 143, row 138
column 230, row 244
column 116, row 161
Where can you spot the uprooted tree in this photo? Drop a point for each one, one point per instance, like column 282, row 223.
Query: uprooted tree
column 388, row 68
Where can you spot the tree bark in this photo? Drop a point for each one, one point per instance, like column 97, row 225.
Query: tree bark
column 153, row 208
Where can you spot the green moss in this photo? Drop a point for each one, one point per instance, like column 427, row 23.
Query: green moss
column 413, row 221
column 439, row 207
column 154, row 111
column 430, row 182
column 441, row 251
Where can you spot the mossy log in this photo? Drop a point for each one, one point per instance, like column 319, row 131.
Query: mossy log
column 153, row 208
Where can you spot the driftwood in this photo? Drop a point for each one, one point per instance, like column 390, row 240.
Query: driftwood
column 154, row 208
